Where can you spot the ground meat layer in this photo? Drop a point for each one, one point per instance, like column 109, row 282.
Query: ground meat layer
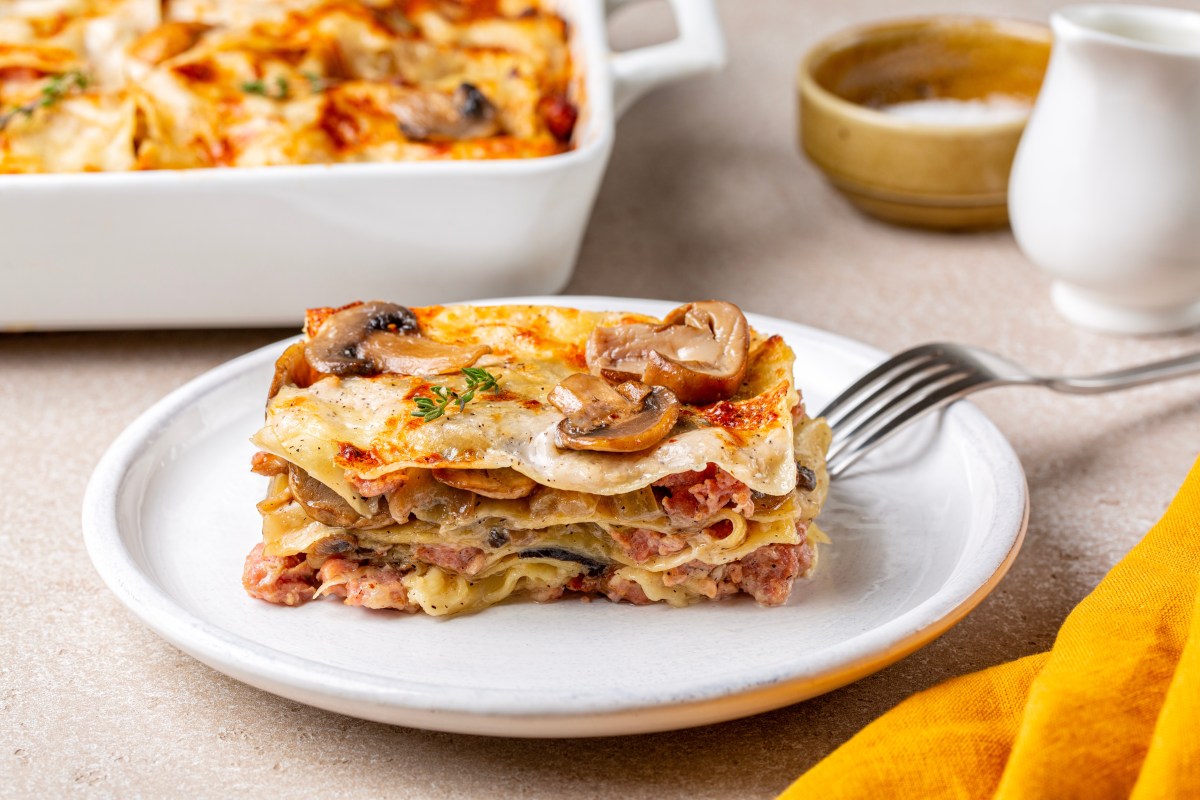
column 367, row 586
column 288, row 581
column 767, row 575
column 695, row 497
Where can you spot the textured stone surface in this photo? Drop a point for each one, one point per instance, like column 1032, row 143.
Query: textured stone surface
column 706, row 196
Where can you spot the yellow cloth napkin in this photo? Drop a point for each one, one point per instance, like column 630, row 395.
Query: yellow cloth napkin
column 1113, row 710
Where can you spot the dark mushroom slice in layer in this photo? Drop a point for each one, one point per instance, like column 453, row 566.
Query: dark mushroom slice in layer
column 335, row 546
column 806, row 479
column 591, row 566
column 328, row 507
column 701, row 351
column 768, row 502
column 625, row 419
column 503, row 483
column 463, row 114
column 376, row 337
column 498, row 537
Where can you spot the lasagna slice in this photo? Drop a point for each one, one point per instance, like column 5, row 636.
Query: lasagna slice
column 443, row 459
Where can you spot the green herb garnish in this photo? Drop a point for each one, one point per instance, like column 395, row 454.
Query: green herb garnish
column 283, row 89
column 478, row 380
column 58, row 87
column 316, row 83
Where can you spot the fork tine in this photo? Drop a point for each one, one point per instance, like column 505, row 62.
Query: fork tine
column 901, row 383
column 941, row 397
column 846, row 436
column 898, row 361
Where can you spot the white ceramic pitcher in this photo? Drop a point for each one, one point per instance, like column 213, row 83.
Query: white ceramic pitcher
column 1105, row 189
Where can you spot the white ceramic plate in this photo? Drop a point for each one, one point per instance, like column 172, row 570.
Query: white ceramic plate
column 921, row 532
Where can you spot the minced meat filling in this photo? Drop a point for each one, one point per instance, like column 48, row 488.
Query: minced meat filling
column 690, row 499
column 695, row 497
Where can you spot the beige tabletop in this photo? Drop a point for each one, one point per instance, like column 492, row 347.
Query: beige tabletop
column 705, row 197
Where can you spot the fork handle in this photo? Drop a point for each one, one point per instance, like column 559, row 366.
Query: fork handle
column 1178, row 367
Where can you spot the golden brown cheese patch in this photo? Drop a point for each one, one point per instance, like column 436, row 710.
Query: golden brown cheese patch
column 744, row 415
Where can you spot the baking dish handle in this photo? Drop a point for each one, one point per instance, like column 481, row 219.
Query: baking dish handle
column 699, row 48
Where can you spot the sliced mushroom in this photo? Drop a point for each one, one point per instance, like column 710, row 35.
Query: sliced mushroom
column 429, row 500
column 383, row 337
column 806, row 479
column 499, row 484
column 593, row 567
column 416, row 355
column 424, row 114
column 335, row 347
column 700, row 351
column 335, row 545
column 626, row 419
column 498, row 537
column 589, row 403
column 768, row 502
column 328, row 507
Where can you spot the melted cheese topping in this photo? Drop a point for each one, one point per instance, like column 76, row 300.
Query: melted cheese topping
column 364, row 426
column 182, row 84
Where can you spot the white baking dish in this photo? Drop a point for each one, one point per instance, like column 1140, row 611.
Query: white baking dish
column 256, row 246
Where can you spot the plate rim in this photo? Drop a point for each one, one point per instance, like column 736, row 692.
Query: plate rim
column 368, row 697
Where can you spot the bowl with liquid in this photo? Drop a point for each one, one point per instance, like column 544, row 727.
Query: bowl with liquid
column 916, row 121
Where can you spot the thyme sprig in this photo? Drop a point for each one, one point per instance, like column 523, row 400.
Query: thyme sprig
column 478, row 380
column 58, row 87
column 282, row 89
column 316, row 83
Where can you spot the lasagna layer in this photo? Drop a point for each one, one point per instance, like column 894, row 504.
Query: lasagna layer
column 348, row 433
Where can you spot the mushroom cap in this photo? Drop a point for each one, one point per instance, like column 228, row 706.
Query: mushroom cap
column 589, row 402
column 464, row 114
column 376, row 337
column 701, row 351
column 416, row 355
column 598, row 417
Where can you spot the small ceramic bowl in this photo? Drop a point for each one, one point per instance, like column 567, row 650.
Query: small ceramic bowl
column 867, row 120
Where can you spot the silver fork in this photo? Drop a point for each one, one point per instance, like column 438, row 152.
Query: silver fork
column 889, row 397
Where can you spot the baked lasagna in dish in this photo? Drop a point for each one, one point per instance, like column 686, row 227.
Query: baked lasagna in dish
column 110, row 85
column 443, row 459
